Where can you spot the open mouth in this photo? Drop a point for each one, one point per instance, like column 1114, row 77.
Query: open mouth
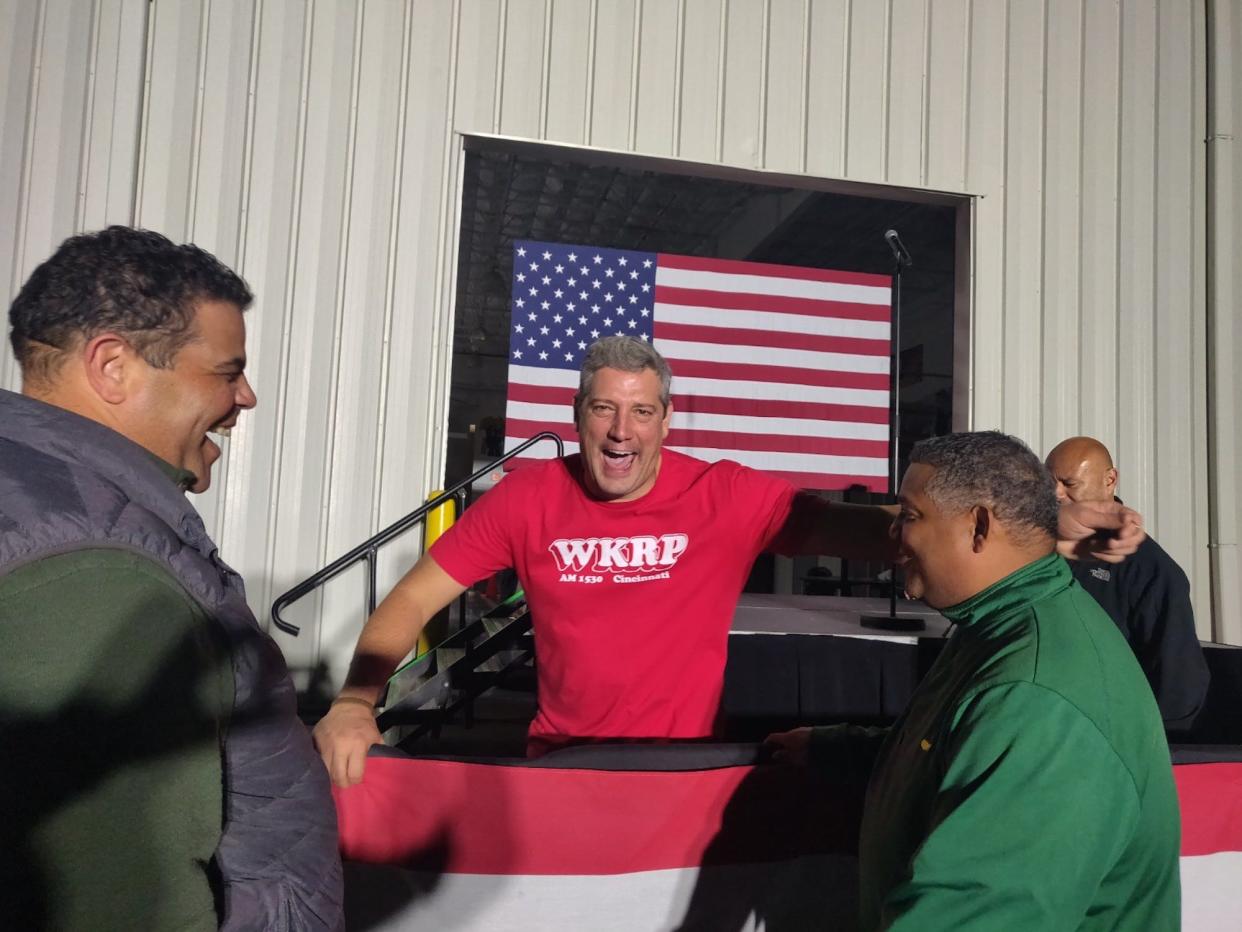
column 618, row 460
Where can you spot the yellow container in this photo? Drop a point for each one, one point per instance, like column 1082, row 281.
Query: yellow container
column 438, row 521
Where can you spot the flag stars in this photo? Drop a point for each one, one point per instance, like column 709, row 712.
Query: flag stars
column 633, row 299
column 608, row 273
column 594, row 334
column 532, row 316
column 607, row 321
column 620, row 286
column 573, row 257
column 547, row 280
column 569, row 357
column 623, row 261
column 534, row 291
column 521, row 276
column 581, row 344
column 544, row 305
column 518, row 328
column 530, row 341
column 556, row 344
column 543, row 355
column 547, row 255
column 633, row 324
column 645, row 312
column 582, row 295
column 572, row 283
column 570, row 307
column 558, row 293
column 585, row 271
column 582, row 320
column 520, row 302
column 646, row 263
column 544, row 331
column 534, row 266
column 608, row 297
column 517, row 354
column 643, row 337
column 594, row 308
column 646, row 287
column 521, row 251
column 633, row 274
column 569, row 331
column 595, row 284
column 556, row 318
column 597, row 258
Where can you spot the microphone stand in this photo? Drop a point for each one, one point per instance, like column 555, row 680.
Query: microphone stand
column 892, row 621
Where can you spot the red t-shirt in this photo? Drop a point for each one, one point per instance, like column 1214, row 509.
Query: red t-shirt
column 631, row 601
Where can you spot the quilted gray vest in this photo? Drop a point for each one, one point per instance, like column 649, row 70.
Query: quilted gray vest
column 68, row 483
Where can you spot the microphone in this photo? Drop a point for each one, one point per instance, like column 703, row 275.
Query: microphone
column 901, row 255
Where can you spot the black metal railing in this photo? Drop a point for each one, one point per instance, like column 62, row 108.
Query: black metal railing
column 368, row 549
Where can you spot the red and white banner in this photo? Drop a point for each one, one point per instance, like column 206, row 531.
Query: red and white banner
column 469, row 846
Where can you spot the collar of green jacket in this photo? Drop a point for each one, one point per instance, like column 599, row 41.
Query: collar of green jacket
column 1031, row 583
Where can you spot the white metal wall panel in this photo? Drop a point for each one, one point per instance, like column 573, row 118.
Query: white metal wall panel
column 828, row 86
column 1225, row 337
column 784, row 109
column 744, row 73
column 316, row 146
column 658, row 101
column 70, row 98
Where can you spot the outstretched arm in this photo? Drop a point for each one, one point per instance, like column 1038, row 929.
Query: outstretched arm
column 855, row 532
column 345, row 734
column 1107, row 531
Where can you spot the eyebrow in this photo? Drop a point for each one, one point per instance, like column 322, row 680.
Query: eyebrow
column 237, row 362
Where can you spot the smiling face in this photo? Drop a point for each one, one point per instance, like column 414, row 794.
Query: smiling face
column 935, row 549
column 203, row 391
column 621, row 427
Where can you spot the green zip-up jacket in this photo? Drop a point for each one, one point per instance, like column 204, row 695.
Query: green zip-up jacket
column 1028, row 785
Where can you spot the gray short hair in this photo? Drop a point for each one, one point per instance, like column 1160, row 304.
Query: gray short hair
column 990, row 468
column 628, row 354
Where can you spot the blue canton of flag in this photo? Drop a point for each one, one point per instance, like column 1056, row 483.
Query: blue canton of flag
column 567, row 297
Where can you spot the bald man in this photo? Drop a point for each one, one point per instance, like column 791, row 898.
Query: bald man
column 1148, row 596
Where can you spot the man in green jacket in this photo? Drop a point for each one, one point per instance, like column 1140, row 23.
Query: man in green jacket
column 1028, row 785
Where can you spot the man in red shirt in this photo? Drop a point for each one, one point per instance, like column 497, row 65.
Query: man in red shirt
column 632, row 558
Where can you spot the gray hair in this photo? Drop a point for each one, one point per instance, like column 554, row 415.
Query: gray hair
column 628, row 354
column 990, row 468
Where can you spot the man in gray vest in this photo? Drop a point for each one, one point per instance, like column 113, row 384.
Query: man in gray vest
column 155, row 773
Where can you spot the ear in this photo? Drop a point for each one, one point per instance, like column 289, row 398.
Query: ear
column 109, row 362
column 667, row 422
column 1110, row 480
column 981, row 521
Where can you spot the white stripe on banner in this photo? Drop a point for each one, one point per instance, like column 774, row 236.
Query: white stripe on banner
column 814, row 892
column 1211, row 894
column 719, row 388
column 796, row 462
column 757, row 459
column 561, row 416
column 772, row 285
column 776, row 391
column 548, row 378
column 772, row 356
column 771, row 321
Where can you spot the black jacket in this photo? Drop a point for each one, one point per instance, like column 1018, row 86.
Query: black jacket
column 1148, row 597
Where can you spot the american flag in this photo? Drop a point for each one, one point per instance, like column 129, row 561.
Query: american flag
column 778, row 367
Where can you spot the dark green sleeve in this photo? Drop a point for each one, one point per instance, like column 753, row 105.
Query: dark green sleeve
column 115, row 688
column 1034, row 808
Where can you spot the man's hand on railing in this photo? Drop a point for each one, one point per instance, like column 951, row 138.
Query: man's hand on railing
column 344, row 736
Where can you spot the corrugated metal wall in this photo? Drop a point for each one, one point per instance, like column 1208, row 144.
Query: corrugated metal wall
column 314, row 145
